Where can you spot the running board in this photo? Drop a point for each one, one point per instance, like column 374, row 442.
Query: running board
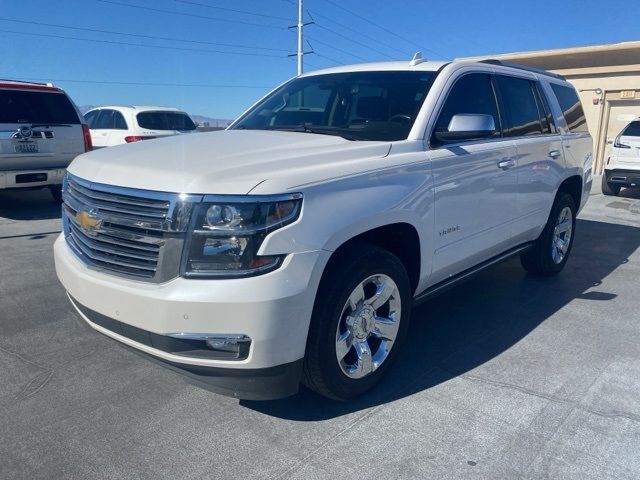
column 450, row 282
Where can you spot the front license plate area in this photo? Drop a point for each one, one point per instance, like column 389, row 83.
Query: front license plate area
column 26, row 148
column 31, row 177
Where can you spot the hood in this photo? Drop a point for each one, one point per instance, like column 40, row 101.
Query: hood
column 228, row 161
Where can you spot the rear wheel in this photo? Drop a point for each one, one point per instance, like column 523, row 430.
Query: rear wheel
column 360, row 318
column 608, row 188
column 553, row 247
column 56, row 192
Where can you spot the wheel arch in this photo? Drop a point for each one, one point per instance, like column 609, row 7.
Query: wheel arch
column 400, row 238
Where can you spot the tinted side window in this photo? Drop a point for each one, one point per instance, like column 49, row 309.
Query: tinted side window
column 472, row 94
column 632, row 130
column 119, row 123
column 522, row 116
column 104, row 120
column 571, row 107
column 548, row 123
column 91, row 118
column 19, row 106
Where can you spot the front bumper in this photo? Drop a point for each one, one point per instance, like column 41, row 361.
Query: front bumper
column 623, row 176
column 273, row 310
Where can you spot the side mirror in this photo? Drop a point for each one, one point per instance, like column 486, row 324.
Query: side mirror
column 467, row 126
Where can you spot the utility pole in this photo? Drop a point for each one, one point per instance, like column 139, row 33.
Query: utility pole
column 300, row 45
column 300, row 26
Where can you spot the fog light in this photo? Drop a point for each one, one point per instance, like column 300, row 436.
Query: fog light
column 234, row 346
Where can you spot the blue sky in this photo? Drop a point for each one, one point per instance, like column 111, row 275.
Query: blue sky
column 195, row 76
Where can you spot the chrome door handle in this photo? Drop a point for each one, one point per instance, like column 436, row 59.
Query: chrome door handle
column 506, row 164
column 554, row 154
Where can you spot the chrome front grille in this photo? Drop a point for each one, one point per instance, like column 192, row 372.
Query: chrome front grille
column 128, row 232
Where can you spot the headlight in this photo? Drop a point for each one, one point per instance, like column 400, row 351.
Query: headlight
column 226, row 235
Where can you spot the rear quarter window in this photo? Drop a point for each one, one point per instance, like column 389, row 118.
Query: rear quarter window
column 165, row 121
column 19, row 106
column 571, row 108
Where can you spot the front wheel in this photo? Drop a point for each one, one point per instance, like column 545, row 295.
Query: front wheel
column 56, row 192
column 360, row 318
column 551, row 250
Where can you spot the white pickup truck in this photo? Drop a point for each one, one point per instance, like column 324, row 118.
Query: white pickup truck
column 292, row 246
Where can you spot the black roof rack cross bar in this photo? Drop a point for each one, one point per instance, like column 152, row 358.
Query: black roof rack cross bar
column 520, row 66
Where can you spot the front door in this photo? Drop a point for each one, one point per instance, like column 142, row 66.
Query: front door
column 475, row 184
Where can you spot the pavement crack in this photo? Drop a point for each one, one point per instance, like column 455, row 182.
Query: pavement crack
column 552, row 398
column 287, row 473
column 34, row 386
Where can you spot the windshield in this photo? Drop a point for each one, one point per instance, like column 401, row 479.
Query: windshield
column 379, row 106
column 165, row 121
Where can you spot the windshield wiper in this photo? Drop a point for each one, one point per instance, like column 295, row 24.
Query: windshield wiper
column 308, row 128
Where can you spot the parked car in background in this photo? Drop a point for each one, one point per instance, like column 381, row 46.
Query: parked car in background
column 41, row 132
column 115, row 125
column 293, row 245
column 623, row 165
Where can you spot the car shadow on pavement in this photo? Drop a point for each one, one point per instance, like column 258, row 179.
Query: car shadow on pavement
column 28, row 205
column 471, row 324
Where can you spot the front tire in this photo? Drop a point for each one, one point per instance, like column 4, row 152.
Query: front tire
column 56, row 192
column 608, row 188
column 360, row 318
column 551, row 250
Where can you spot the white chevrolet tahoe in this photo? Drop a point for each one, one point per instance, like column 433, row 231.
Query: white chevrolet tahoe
column 292, row 246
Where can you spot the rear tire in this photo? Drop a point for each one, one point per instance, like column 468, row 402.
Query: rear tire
column 608, row 188
column 551, row 250
column 359, row 321
column 56, row 192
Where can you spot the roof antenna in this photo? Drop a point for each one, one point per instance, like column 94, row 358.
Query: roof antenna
column 417, row 59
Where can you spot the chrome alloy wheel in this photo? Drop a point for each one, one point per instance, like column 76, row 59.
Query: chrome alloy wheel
column 562, row 235
column 368, row 326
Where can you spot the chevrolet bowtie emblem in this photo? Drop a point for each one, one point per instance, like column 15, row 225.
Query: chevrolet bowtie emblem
column 87, row 221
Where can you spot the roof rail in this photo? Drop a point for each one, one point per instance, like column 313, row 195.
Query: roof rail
column 519, row 66
column 24, row 81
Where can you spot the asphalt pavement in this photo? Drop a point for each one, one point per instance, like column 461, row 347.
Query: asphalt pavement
column 507, row 376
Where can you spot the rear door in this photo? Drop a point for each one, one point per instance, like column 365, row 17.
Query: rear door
column 475, row 183
column 528, row 121
column 39, row 129
column 108, row 128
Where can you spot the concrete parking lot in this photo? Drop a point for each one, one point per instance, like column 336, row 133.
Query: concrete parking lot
column 507, row 376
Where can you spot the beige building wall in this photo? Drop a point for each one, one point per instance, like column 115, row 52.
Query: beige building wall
column 607, row 78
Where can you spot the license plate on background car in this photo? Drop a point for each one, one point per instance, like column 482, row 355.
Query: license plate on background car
column 26, row 148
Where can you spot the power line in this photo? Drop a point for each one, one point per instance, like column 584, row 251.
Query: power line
column 114, row 42
column 138, row 35
column 330, row 30
column 143, row 84
column 346, row 27
column 337, row 49
column 389, row 31
column 329, row 58
column 191, row 15
column 244, row 12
